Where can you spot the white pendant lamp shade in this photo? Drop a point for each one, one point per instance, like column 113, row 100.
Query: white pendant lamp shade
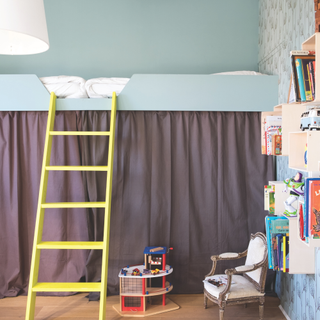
column 23, row 27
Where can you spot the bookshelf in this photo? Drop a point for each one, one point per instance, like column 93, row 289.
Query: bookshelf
column 294, row 143
column 280, row 196
column 301, row 253
column 298, row 141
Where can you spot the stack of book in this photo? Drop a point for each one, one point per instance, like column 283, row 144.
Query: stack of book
column 303, row 76
column 277, row 232
column 309, row 211
column 272, row 135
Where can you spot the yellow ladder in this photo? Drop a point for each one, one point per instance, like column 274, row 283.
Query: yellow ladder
column 34, row 285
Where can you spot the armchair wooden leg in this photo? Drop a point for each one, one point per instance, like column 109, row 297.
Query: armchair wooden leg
column 261, row 308
column 205, row 301
column 221, row 313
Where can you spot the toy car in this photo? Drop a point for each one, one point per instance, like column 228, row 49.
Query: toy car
column 124, row 271
column 136, row 272
column 155, row 271
column 146, row 271
column 310, row 119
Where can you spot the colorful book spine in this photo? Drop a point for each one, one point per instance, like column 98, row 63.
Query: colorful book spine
column 309, row 96
column 300, row 79
column 307, row 198
column 279, row 237
column 271, row 130
column 312, row 82
column 277, row 145
column 281, row 253
column 266, row 197
column 301, row 221
column 272, row 204
column 314, row 209
column 284, row 253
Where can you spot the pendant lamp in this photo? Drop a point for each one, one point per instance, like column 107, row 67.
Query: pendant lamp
column 23, row 27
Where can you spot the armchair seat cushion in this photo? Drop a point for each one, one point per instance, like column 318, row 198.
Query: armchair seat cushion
column 240, row 287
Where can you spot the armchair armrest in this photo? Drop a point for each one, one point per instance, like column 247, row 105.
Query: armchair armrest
column 229, row 256
column 224, row 256
column 242, row 269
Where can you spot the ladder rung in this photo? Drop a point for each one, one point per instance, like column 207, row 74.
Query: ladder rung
column 77, row 168
column 79, row 133
column 95, row 245
column 61, row 205
column 67, row 287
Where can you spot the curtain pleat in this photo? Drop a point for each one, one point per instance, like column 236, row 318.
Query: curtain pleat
column 188, row 180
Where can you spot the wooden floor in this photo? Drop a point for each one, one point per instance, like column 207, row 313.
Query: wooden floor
column 78, row 307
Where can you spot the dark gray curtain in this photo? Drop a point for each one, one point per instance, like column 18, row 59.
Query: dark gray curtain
column 188, row 180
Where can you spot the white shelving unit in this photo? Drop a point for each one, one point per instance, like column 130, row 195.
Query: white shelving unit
column 301, row 254
column 294, row 144
column 291, row 114
column 280, row 196
column 298, row 142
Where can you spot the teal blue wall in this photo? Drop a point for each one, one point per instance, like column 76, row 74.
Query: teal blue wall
column 284, row 25
column 104, row 38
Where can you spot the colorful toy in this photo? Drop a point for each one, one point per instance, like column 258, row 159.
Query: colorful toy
column 124, row 271
column 155, row 271
column 296, row 187
column 310, row 119
column 146, row 271
column 136, row 292
column 136, row 272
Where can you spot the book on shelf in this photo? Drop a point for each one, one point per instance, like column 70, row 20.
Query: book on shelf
column 291, row 94
column 300, row 77
column 277, row 251
column 272, row 126
column 271, row 123
column 276, row 145
column 276, row 228
column 311, row 201
column 269, row 198
column 314, row 208
column 285, row 253
column 311, row 74
column 303, row 71
column 302, row 52
column 301, row 221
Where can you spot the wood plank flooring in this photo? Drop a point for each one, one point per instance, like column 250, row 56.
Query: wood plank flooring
column 80, row 308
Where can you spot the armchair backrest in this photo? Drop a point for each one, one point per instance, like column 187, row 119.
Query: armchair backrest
column 257, row 252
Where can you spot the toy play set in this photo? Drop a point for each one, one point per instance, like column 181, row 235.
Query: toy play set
column 141, row 284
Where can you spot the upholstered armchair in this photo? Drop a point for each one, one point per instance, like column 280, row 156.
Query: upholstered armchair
column 243, row 284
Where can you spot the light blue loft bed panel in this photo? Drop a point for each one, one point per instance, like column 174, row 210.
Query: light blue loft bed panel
column 153, row 92
column 83, row 104
column 25, row 92
column 200, row 92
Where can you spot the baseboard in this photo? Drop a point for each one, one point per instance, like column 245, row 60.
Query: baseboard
column 284, row 313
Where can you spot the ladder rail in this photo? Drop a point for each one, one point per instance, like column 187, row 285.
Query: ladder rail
column 106, row 231
column 35, row 260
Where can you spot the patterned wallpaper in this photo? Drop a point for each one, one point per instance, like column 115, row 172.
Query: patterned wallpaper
column 283, row 26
